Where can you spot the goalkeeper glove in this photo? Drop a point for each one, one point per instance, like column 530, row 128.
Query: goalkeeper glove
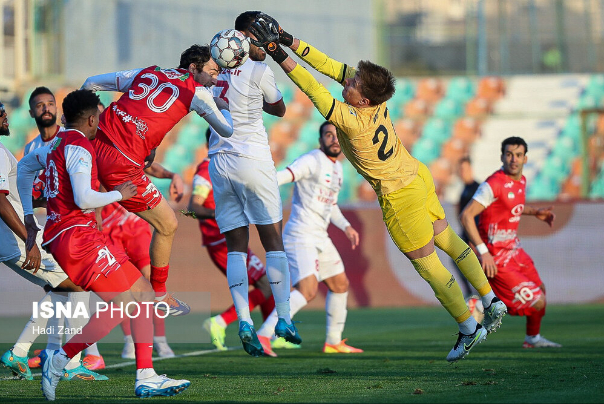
column 267, row 37
column 285, row 38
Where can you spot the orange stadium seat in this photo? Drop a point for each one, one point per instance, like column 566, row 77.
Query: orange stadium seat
column 466, row 129
column 453, row 150
column 492, row 88
column 571, row 188
column 416, row 108
column 478, row 107
column 442, row 171
column 408, row 130
column 430, row 90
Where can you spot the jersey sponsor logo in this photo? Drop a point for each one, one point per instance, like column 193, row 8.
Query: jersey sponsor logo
column 517, row 212
column 508, row 184
column 306, row 51
column 52, row 179
column 173, row 74
column 352, row 111
column 2, row 180
column 451, row 282
column 463, row 255
column 141, row 126
column 104, row 253
column 511, row 195
column 83, row 162
column 53, row 217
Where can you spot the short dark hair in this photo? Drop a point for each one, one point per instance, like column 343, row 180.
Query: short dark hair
column 77, row 104
column 377, row 82
column 196, row 54
column 514, row 140
column 323, row 125
column 245, row 20
column 37, row 91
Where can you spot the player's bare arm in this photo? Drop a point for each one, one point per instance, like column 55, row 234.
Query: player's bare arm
column 353, row 236
column 466, row 218
column 10, row 217
column 276, row 109
column 544, row 214
column 176, row 189
column 196, row 209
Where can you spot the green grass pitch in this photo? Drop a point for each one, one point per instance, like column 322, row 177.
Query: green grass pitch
column 404, row 362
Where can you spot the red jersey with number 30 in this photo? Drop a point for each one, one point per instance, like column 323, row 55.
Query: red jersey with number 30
column 202, row 186
column 71, row 150
column 156, row 101
column 504, row 200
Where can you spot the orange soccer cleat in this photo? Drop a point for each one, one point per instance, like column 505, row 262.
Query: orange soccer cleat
column 340, row 347
column 93, row 362
column 266, row 346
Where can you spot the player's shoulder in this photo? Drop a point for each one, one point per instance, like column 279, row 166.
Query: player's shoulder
column 203, row 167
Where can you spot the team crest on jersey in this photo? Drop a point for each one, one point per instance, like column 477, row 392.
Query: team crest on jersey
column 511, row 195
column 2, row 180
column 352, row 111
column 173, row 74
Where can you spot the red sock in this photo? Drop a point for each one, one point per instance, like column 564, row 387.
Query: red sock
column 126, row 327
column 142, row 333
column 159, row 276
column 267, row 307
column 98, row 327
column 229, row 315
column 255, row 298
column 533, row 322
column 159, row 325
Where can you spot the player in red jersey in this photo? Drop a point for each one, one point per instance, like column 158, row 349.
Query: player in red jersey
column 202, row 207
column 84, row 253
column 500, row 202
column 154, row 100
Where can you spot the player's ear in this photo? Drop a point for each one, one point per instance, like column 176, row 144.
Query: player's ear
column 192, row 68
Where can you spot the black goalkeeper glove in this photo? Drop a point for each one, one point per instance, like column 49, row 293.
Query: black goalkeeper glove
column 285, row 38
column 267, row 37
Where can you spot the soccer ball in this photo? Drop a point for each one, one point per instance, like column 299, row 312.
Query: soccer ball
column 230, row 48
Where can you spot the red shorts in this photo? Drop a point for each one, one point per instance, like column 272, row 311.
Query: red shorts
column 255, row 267
column 92, row 262
column 134, row 237
column 114, row 169
column 517, row 284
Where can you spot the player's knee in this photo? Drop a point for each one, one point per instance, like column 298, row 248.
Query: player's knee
column 539, row 304
column 308, row 292
column 167, row 227
column 341, row 286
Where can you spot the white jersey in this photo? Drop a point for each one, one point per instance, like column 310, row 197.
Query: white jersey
column 39, row 142
column 245, row 89
column 318, row 180
column 10, row 245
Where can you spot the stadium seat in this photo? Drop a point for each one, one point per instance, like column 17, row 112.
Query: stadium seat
column 491, row 88
column 478, row 107
column 408, row 131
column 416, row 108
column 448, row 108
column 543, row 188
column 425, row 150
column 466, row 129
column 595, row 86
column 555, row 168
column 430, row 90
column 460, row 89
column 588, row 101
column 437, row 129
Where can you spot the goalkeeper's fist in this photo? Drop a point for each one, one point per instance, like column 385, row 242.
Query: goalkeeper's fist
column 285, row 38
column 267, row 37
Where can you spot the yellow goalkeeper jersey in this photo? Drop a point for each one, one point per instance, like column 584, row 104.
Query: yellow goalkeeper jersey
column 366, row 135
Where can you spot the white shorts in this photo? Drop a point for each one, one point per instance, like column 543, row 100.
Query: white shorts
column 245, row 191
column 307, row 257
column 50, row 273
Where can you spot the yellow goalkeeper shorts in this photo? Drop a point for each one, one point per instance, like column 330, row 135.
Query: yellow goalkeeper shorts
column 410, row 211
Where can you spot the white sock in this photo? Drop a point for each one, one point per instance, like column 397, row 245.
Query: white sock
column 486, row 299
column 29, row 333
column 92, row 350
column 160, row 340
column 60, row 360
column 468, row 327
column 128, row 339
column 297, row 301
column 55, row 339
column 145, row 373
column 238, row 284
column 531, row 339
column 76, row 323
column 220, row 321
column 335, row 308
column 277, row 271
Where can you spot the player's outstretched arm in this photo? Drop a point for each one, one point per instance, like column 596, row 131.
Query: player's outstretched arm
column 545, row 214
column 216, row 115
column 176, row 190
column 118, row 81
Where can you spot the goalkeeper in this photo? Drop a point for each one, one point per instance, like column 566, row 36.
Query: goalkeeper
column 411, row 210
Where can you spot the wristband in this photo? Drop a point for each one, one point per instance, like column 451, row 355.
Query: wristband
column 482, row 248
column 276, row 52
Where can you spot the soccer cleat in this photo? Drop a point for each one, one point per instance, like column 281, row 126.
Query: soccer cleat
column 540, row 343
column 163, row 350
column 93, row 362
column 128, row 351
column 217, row 333
column 249, row 339
column 159, row 386
column 476, row 308
column 81, row 373
column 175, row 307
column 340, row 347
column 493, row 315
column 17, row 364
column 280, row 343
column 466, row 342
column 266, row 346
column 37, row 361
column 50, row 376
column 289, row 332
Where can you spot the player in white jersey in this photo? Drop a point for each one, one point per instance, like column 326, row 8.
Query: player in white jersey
column 35, row 265
column 245, row 187
column 311, row 254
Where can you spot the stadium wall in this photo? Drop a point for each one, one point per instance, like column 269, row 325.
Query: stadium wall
column 569, row 258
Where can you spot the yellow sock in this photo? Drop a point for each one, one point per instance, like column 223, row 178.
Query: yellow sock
column 444, row 285
column 464, row 257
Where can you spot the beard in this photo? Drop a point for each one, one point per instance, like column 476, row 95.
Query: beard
column 46, row 122
column 330, row 153
column 4, row 131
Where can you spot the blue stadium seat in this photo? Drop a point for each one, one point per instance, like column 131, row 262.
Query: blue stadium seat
column 448, row 108
column 461, row 89
column 426, row 150
column 437, row 129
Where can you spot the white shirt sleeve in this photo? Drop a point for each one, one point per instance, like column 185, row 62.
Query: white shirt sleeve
column 4, row 171
column 337, row 218
column 484, row 195
column 269, row 87
column 203, row 103
column 78, row 162
column 27, row 169
column 303, row 166
column 284, row 176
column 118, row 81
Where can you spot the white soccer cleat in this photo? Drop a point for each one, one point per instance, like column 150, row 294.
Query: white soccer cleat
column 466, row 342
column 50, row 376
column 494, row 314
column 539, row 343
column 159, row 385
